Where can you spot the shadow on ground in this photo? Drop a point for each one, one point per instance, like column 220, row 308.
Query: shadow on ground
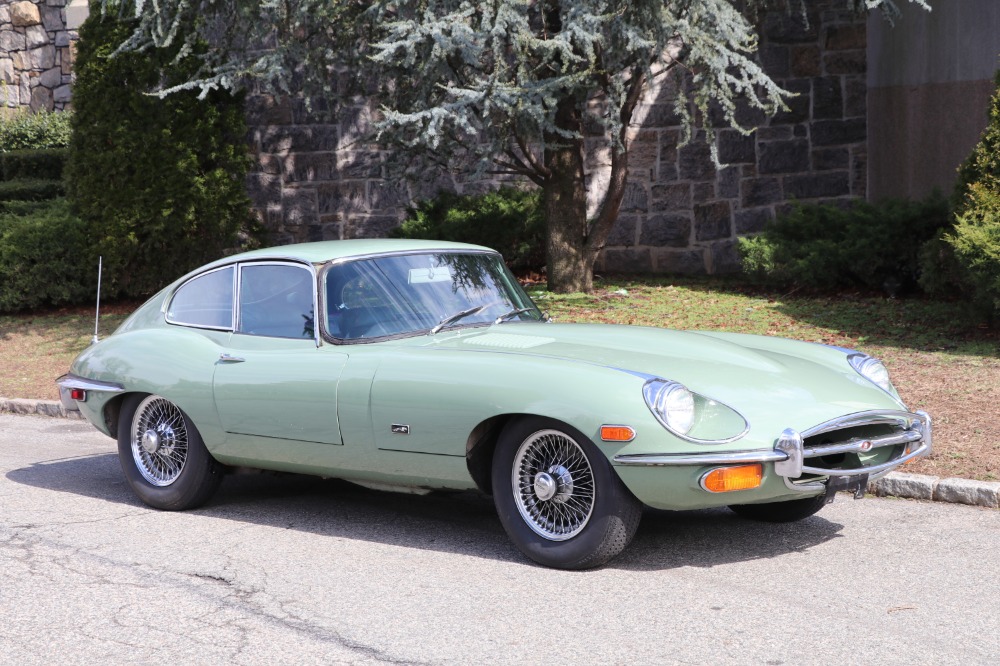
column 453, row 522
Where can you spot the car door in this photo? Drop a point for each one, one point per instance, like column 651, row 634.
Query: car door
column 274, row 379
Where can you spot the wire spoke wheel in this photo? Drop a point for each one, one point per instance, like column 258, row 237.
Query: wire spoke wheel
column 553, row 485
column 159, row 438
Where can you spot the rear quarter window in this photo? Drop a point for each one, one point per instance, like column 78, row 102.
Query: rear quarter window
column 205, row 301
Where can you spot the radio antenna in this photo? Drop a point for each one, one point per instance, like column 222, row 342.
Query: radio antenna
column 97, row 314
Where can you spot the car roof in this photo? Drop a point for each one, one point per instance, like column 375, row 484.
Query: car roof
column 324, row 251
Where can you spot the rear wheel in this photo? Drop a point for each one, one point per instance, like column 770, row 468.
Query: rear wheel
column 163, row 456
column 781, row 512
column 558, row 498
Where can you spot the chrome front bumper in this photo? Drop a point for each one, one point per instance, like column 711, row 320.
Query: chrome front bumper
column 789, row 454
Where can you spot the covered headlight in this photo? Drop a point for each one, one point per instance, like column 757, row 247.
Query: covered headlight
column 872, row 370
column 671, row 403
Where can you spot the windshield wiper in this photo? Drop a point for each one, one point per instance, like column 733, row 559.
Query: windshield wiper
column 451, row 319
column 510, row 315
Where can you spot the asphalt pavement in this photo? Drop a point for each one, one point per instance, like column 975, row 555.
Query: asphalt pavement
column 297, row 570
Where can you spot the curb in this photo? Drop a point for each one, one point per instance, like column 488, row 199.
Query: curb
column 39, row 407
column 895, row 484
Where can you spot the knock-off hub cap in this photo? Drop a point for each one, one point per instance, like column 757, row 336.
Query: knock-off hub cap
column 151, row 441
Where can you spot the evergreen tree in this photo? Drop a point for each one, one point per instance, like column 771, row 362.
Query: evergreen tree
column 513, row 85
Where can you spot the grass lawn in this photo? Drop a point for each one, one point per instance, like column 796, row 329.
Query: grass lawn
column 941, row 360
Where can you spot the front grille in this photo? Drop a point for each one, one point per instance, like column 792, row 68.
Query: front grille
column 859, row 442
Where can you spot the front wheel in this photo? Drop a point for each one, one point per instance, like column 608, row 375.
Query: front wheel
column 558, row 498
column 163, row 456
column 781, row 512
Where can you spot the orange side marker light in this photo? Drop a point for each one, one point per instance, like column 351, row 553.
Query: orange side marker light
column 728, row 479
column 617, row 433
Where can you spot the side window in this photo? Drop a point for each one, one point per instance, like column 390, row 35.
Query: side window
column 205, row 301
column 276, row 300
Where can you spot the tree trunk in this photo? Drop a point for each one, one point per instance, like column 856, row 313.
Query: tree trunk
column 570, row 263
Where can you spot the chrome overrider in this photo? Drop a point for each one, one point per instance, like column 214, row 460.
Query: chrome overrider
column 789, row 454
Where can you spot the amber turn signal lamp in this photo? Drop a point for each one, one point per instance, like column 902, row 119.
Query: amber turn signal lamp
column 617, row 433
column 728, row 479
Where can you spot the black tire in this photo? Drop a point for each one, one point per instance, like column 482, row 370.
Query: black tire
column 781, row 512
column 601, row 515
column 163, row 456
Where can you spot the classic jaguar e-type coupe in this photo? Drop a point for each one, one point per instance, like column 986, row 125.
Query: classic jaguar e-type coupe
column 424, row 365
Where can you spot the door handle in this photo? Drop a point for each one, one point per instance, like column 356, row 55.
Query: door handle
column 229, row 358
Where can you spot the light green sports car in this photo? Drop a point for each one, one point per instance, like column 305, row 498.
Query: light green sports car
column 418, row 365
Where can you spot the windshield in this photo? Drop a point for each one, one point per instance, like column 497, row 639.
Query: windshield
column 421, row 293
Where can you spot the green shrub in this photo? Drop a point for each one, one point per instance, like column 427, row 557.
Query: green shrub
column 876, row 246
column 972, row 245
column 29, row 131
column 508, row 220
column 31, row 189
column 45, row 256
column 161, row 182
column 42, row 163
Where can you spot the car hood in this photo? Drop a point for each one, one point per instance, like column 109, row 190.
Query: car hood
column 756, row 375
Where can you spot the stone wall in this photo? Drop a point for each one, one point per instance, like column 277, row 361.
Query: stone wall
column 313, row 180
column 36, row 54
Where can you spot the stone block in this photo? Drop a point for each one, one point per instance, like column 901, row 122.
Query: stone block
column 298, row 138
column 685, row 262
column 7, row 71
column 965, row 491
column 11, row 40
column 342, row 198
column 838, row 132
column 35, row 36
column 623, row 231
column 666, row 231
column 789, row 28
column 828, row 98
column 798, row 106
column 263, row 189
column 52, row 18
column 629, row 260
column 702, row 192
column 776, row 133
column 369, row 226
column 817, row 185
column 724, row 258
column 51, row 78
column 657, row 115
column 805, row 60
column 67, row 54
column 775, row 60
column 845, row 62
column 309, row 167
column 358, row 164
column 713, row 221
column 389, row 194
column 736, row 147
column 24, row 14
column 299, row 206
column 846, row 37
column 670, row 197
column 644, row 150
column 901, row 484
column 63, row 94
column 751, row 220
column 355, row 125
column 695, row 160
column 783, row 156
column 43, row 57
column 41, row 99
column 855, row 96
column 266, row 110
column 635, row 199
column 826, row 159
column 727, row 184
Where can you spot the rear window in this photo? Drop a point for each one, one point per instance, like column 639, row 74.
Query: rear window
column 205, row 301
